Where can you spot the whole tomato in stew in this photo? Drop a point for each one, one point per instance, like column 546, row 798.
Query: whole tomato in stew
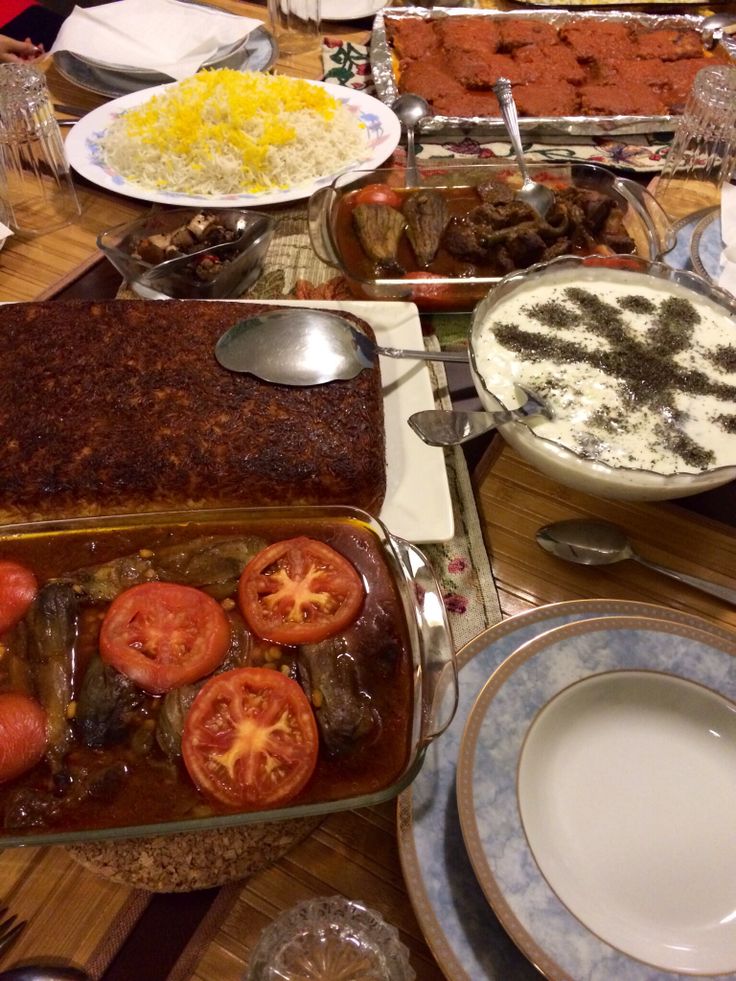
column 299, row 591
column 18, row 588
column 432, row 292
column 163, row 635
column 377, row 194
column 250, row 739
column 22, row 734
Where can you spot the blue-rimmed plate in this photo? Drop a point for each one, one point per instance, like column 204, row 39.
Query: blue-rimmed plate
column 596, row 787
column 460, row 927
column 707, row 246
column 84, row 152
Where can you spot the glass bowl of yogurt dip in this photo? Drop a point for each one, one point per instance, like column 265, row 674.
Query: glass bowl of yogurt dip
column 637, row 362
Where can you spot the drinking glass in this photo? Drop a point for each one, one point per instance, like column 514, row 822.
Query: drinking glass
column 35, row 182
column 703, row 151
column 295, row 24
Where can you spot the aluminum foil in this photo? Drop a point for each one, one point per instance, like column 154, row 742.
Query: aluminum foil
column 539, row 127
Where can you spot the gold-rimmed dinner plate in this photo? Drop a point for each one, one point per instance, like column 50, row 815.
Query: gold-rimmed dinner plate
column 596, row 787
column 464, row 934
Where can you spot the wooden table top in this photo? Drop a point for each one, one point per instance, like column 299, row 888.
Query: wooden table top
column 73, row 913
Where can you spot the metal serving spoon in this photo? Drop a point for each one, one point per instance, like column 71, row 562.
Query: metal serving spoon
column 306, row 347
column 714, row 27
column 410, row 109
column 590, row 542
column 449, row 427
column 536, row 195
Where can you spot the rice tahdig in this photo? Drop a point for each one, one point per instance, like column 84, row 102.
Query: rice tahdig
column 229, row 132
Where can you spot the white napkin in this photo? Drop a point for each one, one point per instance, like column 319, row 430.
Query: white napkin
column 5, row 232
column 727, row 275
column 163, row 35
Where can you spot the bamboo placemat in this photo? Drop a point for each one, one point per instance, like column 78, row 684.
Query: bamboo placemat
column 73, row 917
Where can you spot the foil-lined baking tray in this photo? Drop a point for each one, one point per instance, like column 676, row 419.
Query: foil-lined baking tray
column 538, row 127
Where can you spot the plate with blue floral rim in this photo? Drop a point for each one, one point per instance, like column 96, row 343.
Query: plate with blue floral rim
column 707, row 247
column 460, row 927
column 84, row 150
column 596, row 787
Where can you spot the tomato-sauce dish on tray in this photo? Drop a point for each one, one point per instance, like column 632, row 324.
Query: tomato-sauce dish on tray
column 572, row 73
column 200, row 669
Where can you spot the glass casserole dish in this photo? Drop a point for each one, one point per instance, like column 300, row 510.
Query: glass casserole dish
column 116, row 772
column 458, row 276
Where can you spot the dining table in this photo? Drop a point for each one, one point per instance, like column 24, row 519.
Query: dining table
column 80, row 906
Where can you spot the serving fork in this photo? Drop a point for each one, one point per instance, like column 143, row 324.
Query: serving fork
column 10, row 928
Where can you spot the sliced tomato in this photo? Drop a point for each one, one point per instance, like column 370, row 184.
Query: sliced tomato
column 299, row 591
column 163, row 635
column 377, row 194
column 250, row 740
column 18, row 588
column 22, row 734
column 432, row 292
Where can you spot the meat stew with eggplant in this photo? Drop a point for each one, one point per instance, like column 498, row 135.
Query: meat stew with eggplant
column 321, row 695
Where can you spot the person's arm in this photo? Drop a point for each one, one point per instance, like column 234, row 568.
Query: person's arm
column 12, row 50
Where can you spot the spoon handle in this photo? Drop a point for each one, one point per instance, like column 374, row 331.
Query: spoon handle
column 713, row 588
column 502, row 90
column 400, row 352
column 412, row 177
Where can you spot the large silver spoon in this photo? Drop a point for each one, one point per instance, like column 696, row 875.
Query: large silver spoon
column 450, row 427
column 536, row 195
column 410, row 109
column 591, row 542
column 307, row 347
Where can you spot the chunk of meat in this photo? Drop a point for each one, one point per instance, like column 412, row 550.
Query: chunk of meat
column 633, row 99
column 518, row 32
column 434, row 82
column 477, row 35
column 558, row 99
column 667, row 44
column 553, row 62
column 592, row 40
column 411, row 37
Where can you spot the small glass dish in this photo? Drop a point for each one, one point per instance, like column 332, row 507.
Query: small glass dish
column 454, row 283
column 328, row 939
column 238, row 263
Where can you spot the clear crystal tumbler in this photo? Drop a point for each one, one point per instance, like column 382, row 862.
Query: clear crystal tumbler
column 330, row 938
column 703, row 151
column 35, row 182
column 296, row 25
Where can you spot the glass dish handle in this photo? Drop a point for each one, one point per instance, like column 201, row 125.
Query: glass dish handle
column 440, row 690
column 658, row 224
column 318, row 215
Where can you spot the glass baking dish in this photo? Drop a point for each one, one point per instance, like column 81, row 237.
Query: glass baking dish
column 332, row 239
column 427, row 677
